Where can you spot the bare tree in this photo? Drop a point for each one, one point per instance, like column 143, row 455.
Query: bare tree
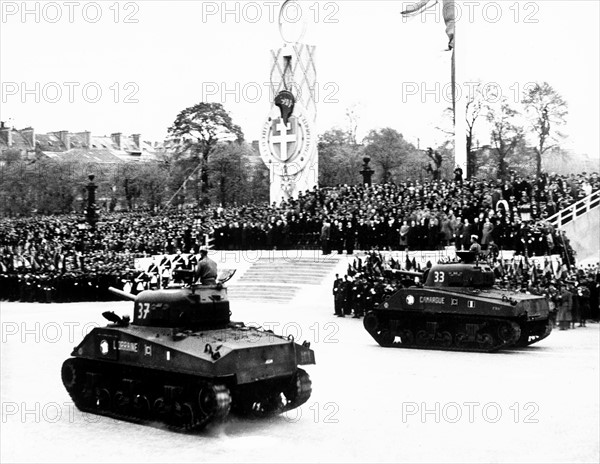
column 506, row 135
column 352, row 113
column 547, row 112
column 474, row 109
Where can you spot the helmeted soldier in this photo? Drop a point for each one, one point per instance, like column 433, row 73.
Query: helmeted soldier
column 206, row 270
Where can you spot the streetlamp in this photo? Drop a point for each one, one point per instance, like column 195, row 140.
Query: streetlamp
column 366, row 171
column 91, row 214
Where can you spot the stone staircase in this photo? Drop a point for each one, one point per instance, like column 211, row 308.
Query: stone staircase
column 581, row 222
column 280, row 279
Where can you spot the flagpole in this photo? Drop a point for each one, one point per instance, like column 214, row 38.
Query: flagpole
column 453, row 82
column 459, row 108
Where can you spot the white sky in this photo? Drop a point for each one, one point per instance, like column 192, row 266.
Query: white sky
column 366, row 55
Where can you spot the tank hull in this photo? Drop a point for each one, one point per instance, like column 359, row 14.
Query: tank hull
column 459, row 319
column 186, row 379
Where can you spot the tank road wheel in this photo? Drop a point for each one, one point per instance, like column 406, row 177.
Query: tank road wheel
column 160, row 409
column 184, row 415
column 485, row 341
column 370, row 322
column 422, row 338
column 461, row 339
column 446, row 339
column 69, row 375
column 102, row 398
column 385, row 337
column 214, row 400
column 269, row 404
column 299, row 390
column 121, row 402
column 509, row 332
column 141, row 406
column 407, row 337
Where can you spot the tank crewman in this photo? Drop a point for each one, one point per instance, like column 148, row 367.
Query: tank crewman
column 338, row 296
column 206, row 270
column 475, row 246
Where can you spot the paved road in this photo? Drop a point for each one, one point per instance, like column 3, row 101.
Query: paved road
column 539, row 404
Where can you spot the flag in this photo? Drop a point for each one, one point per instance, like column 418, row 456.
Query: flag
column 533, row 275
column 547, row 267
column 449, row 12
column 521, row 267
column 555, row 269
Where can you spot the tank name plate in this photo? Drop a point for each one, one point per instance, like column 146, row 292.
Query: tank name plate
column 432, row 299
column 128, row 346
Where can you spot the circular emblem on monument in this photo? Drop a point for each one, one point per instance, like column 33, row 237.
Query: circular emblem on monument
column 410, row 300
column 292, row 22
column 287, row 147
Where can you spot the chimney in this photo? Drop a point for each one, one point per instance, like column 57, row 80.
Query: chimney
column 29, row 135
column 137, row 140
column 116, row 138
column 6, row 134
column 87, row 139
column 65, row 138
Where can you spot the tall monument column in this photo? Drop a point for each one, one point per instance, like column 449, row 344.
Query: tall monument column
column 288, row 140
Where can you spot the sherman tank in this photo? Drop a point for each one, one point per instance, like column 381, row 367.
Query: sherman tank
column 458, row 307
column 184, row 363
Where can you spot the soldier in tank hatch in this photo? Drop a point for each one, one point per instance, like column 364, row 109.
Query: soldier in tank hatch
column 475, row 246
column 206, row 270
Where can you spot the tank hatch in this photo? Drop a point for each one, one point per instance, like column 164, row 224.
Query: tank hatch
column 201, row 307
column 460, row 275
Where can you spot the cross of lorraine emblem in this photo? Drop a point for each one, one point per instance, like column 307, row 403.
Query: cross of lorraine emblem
column 284, row 138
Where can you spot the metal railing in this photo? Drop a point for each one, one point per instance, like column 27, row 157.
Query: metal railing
column 572, row 212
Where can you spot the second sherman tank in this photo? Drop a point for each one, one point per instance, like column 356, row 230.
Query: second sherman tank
column 459, row 308
column 182, row 362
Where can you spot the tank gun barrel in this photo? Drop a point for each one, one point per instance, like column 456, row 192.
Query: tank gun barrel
column 121, row 293
column 408, row 273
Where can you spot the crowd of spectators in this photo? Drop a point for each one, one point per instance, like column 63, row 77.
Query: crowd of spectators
column 572, row 292
column 411, row 215
column 60, row 258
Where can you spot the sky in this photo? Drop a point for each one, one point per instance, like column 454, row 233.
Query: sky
column 131, row 67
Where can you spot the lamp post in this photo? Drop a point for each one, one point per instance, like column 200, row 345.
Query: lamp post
column 91, row 214
column 366, row 171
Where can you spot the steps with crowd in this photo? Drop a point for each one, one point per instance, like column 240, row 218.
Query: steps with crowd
column 279, row 279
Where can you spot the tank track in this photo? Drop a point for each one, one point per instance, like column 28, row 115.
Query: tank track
column 266, row 400
column 535, row 331
column 428, row 332
column 181, row 403
column 180, row 407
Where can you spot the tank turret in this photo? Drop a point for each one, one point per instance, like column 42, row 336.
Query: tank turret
column 181, row 361
column 457, row 306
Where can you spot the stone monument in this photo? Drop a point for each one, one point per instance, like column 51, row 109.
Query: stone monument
column 288, row 140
